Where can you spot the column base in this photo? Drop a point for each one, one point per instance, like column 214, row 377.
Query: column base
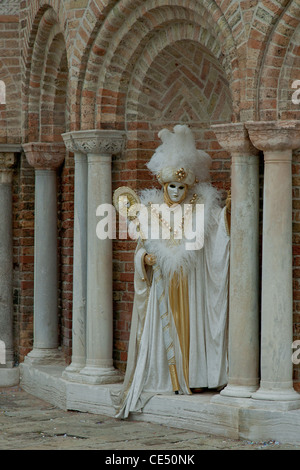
column 100, row 375
column 239, row 391
column 9, row 377
column 44, row 356
column 252, row 404
column 277, row 395
column 72, row 372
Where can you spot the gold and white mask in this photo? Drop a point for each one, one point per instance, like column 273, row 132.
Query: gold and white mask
column 175, row 192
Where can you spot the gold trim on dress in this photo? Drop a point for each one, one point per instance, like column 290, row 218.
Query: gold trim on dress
column 179, row 303
column 174, row 377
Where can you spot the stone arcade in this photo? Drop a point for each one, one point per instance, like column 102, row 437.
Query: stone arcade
column 88, row 84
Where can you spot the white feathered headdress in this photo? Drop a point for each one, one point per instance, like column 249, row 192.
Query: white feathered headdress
column 178, row 159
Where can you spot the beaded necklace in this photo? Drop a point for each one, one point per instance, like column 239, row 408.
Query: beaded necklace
column 187, row 213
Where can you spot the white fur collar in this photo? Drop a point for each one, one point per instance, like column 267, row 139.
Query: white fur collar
column 172, row 257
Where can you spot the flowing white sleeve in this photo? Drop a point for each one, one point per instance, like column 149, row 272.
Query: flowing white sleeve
column 142, row 282
column 216, row 252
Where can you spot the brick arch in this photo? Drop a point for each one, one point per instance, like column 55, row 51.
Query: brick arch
column 289, row 73
column 180, row 82
column 182, row 74
column 46, row 61
column 139, row 83
column 46, row 100
column 31, row 13
column 53, row 99
column 280, row 56
column 145, row 53
column 126, row 32
column 85, row 56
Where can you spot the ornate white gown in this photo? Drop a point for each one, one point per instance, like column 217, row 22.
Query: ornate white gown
column 194, row 286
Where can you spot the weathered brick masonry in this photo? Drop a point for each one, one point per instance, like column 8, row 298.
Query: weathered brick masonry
column 135, row 65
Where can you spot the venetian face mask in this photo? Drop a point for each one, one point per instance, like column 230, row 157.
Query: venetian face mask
column 176, row 191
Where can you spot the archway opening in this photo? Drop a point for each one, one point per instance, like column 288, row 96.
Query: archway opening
column 47, row 116
column 183, row 83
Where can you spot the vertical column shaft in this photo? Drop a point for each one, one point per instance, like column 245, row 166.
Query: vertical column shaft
column 46, row 262
column 45, row 158
column 277, row 284
column 244, row 278
column 277, row 140
column 6, row 304
column 9, row 375
column 99, row 363
column 99, row 265
column 243, row 349
column 93, row 256
column 79, row 268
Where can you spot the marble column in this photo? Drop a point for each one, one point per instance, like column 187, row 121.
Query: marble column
column 79, row 259
column 99, row 146
column 45, row 158
column 9, row 375
column 277, row 140
column 243, row 347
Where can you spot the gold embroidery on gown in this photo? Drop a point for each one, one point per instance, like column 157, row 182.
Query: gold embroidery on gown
column 179, row 303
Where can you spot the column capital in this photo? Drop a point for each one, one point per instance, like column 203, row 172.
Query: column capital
column 96, row 141
column 234, row 138
column 70, row 141
column 45, row 155
column 274, row 135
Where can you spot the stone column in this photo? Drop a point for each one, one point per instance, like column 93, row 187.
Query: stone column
column 9, row 375
column 99, row 145
column 45, row 158
column 243, row 348
column 277, row 140
column 79, row 259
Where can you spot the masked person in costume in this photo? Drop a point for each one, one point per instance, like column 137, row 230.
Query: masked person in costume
column 178, row 337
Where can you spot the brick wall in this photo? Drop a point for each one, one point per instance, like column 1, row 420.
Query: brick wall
column 139, row 66
column 10, row 133
column 23, row 234
column 65, row 252
column 10, row 74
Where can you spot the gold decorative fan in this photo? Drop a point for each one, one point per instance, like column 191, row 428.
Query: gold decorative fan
column 124, row 198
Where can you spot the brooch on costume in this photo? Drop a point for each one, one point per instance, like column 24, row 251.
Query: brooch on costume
column 181, row 174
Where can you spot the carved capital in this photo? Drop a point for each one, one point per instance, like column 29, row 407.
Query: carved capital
column 45, row 155
column 274, row 135
column 100, row 142
column 70, row 142
column 234, row 138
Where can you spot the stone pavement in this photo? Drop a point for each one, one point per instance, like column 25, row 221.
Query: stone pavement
column 28, row 423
